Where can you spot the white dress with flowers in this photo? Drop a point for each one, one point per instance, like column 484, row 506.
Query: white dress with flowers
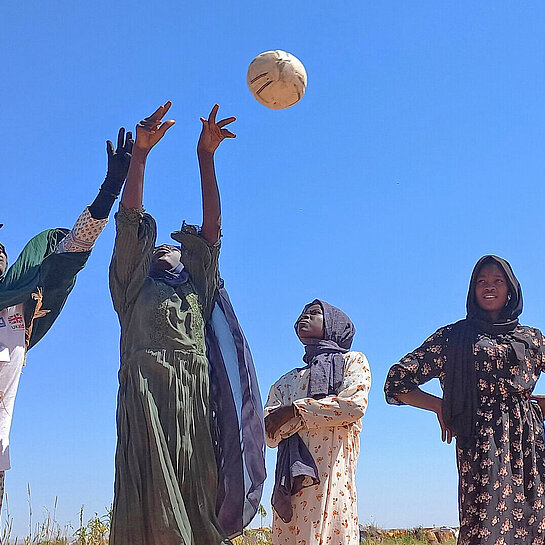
column 327, row 513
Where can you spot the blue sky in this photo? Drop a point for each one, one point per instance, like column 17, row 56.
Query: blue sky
column 417, row 148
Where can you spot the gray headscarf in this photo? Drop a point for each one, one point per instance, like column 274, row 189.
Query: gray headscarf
column 324, row 356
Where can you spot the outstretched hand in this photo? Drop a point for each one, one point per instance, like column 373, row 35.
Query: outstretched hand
column 151, row 129
column 120, row 158
column 213, row 133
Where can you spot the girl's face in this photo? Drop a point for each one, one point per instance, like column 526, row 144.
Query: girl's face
column 310, row 324
column 491, row 290
column 166, row 257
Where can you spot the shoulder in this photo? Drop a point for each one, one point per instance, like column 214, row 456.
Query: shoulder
column 287, row 378
column 442, row 334
column 528, row 330
column 191, row 238
column 446, row 329
column 357, row 366
column 356, row 358
column 532, row 334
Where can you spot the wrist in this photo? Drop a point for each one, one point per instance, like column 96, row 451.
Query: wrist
column 112, row 184
column 204, row 154
column 108, row 192
column 139, row 155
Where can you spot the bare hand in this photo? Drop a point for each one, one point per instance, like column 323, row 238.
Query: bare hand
column 446, row 434
column 277, row 418
column 213, row 133
column 150, row 130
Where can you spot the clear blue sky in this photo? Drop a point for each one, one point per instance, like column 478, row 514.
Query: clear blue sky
column 417, row 148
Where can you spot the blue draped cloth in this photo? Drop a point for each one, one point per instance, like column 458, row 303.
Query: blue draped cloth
column 237, row 419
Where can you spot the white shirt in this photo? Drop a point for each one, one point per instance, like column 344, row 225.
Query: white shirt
column 12, row 359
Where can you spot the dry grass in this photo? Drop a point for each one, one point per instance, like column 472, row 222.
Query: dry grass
column 416, row 537
column 95, row 531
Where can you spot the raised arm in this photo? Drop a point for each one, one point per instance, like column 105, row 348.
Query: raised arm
column 136, row 231
column 92, row 221
column 148, row 132
column 118, row 165
column 211, row 136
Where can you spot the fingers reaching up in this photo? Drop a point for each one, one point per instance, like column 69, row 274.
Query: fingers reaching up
column 213, row 133
column 151, row 129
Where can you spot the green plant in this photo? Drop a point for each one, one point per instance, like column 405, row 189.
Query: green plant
column 262, row 536
column 262, row 513
column 95, row 531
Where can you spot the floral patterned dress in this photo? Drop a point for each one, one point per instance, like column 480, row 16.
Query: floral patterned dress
column 324, row 514
column 502, row 475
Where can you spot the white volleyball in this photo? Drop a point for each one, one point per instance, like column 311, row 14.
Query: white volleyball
column 277, row 79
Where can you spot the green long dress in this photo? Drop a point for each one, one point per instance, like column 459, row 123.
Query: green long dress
column 166, row 475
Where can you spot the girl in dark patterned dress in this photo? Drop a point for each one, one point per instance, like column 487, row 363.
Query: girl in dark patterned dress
column 488, row 365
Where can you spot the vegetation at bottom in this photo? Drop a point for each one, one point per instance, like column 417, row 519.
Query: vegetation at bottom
column 371, row 535
column 406, row 540
column 95, row 531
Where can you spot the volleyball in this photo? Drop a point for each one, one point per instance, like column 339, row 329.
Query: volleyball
column 277, row 79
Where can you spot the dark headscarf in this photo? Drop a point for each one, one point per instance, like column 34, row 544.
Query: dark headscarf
column 324, row 356
column 460, row 392
column 173, row 277
column 513, row 308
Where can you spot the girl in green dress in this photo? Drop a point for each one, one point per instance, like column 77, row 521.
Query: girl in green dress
column 166, row 475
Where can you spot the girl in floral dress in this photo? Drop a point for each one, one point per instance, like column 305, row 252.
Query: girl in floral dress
column 488, row 365
column 321, row 405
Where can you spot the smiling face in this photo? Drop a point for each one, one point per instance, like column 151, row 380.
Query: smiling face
column 310, row 324
column 166, row 257
column 491, row 290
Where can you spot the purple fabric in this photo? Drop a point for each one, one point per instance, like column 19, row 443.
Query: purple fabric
column 237, row 419
column 294, row 462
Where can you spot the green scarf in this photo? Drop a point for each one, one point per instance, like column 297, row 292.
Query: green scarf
column 39, row 270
